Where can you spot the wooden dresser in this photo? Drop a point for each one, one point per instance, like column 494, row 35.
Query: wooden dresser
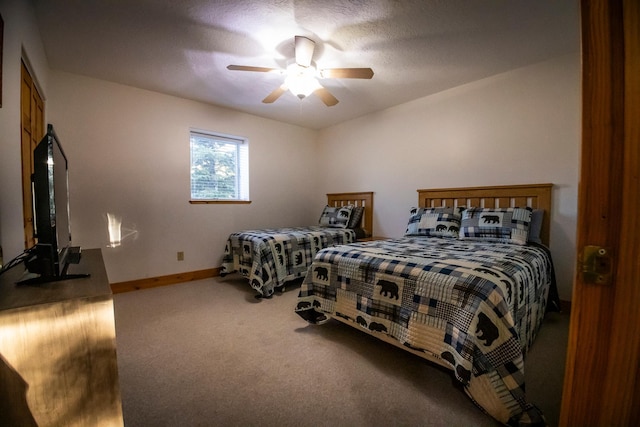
column 58, row 362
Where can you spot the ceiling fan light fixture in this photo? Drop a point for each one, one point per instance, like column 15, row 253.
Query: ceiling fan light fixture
column 301, row 81
column 301, row 76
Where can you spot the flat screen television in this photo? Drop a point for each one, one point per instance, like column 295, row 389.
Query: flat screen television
column 53, row 252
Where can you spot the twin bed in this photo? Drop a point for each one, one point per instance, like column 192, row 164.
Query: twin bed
column 467, row 287
column 464, row 288
column 269, row 258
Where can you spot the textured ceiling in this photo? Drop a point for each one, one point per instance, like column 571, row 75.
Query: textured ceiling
column 415, row 47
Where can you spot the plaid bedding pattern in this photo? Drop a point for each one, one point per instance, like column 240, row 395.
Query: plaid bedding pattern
column 472, row 306
column 271, row 257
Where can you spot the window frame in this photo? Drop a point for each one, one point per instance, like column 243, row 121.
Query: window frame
column 242, row 167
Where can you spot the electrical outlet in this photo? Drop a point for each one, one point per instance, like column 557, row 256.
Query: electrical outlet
column 180, row 256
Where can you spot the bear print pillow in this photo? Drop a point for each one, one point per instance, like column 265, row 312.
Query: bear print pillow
column 337, row 217
column 502, row 225
column 433, row 222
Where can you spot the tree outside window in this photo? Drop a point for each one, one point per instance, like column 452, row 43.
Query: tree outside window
column 219, row 167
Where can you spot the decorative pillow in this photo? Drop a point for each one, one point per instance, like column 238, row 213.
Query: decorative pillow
column 361, row 233
column 337, row 217
column 356, row 217
column 535, row 228
column 506, row 225
column 434, row 222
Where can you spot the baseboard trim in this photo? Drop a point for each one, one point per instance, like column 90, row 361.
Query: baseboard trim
column 171, row 279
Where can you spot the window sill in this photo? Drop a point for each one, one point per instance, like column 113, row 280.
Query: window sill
column 219, row 202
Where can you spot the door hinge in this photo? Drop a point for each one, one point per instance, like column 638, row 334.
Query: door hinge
column 596, row 265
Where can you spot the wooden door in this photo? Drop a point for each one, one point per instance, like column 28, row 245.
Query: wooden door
column 32, row 125
column 602, row 379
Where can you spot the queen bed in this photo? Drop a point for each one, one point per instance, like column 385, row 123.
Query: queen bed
column 466, row 287
column 269, row 258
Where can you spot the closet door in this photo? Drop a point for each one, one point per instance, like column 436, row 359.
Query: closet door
column 32, row 125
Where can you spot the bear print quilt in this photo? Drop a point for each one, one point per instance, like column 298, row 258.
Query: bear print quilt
column 271, row 257
column 474, row 307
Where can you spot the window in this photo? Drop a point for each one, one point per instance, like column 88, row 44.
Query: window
column 219, row 167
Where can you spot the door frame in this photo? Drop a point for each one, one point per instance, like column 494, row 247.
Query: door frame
column 31, row 130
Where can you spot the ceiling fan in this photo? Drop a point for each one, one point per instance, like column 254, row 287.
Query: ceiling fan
column 302, row 75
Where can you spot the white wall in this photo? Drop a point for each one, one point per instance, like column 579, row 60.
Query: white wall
column 128, row 153
column 519, row 127
column 21, row 40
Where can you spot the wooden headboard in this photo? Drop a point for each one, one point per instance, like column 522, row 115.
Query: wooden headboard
column 536, row 196
column 364, row 199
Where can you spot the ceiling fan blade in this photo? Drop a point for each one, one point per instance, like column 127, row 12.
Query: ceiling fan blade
column 304, row 51
column 249, row 68
column 346, row 73
column 275, row 94
column 326, row 97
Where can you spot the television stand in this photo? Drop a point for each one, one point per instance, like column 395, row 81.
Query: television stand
column 58, row 350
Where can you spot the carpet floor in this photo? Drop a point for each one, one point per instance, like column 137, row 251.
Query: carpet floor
column 207, row 353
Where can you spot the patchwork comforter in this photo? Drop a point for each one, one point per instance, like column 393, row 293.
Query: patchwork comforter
column 474, row 307
column 271, row 257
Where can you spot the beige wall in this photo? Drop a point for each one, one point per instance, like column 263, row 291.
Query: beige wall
column 128, row 152
column 518, row 127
